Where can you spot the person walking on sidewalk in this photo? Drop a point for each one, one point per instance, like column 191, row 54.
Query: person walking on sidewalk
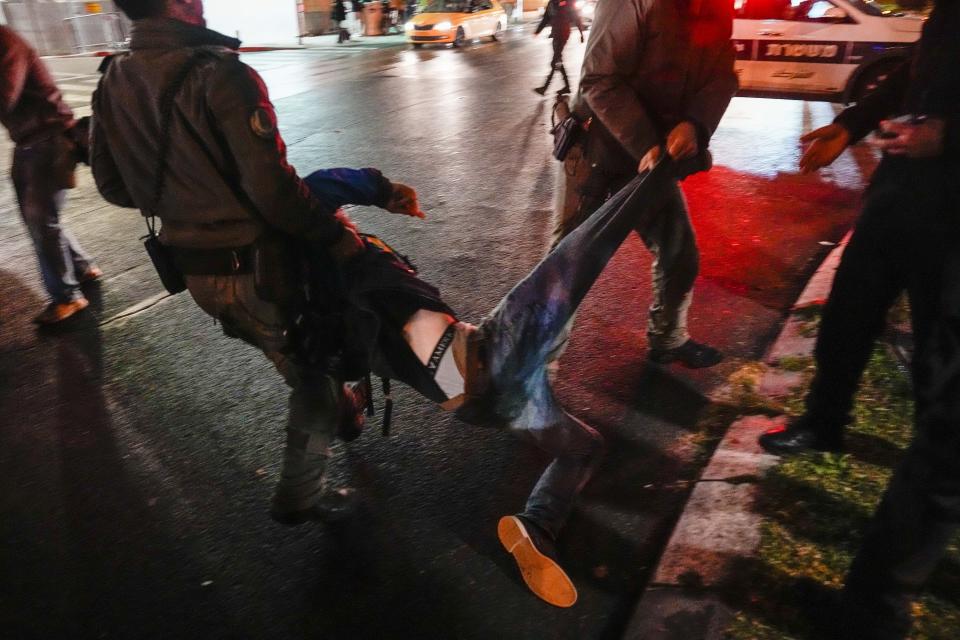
column 905, row 239
column 41, row 126
column 185, row 131
column 560, row 16
column 340, row 17
column 637, row 93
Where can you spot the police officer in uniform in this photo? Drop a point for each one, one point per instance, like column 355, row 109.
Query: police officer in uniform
column 906, row 239
column 181, row 105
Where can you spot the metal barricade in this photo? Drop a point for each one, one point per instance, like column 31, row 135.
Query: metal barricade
column 67, row 26
column 97, row 31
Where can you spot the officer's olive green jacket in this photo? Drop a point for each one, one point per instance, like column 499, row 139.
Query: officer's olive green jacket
column 227, row 177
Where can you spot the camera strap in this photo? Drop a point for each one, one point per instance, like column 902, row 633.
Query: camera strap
column 167, row 101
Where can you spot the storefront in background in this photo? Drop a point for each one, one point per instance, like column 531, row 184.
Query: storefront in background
column 255, row 22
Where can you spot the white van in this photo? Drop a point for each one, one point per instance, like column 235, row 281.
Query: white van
column 834, row 50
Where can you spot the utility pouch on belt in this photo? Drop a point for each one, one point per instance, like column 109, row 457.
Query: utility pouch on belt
column 567, row 129
column 162, row 259
column 276, row 268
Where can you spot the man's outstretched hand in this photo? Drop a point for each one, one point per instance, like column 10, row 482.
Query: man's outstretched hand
column 404, row 201
column 826, row 145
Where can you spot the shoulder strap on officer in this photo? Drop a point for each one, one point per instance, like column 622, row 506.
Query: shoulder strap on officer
column 105, row 63
column 166, row 116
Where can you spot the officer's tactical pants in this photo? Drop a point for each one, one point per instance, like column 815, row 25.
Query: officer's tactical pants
column 582, row 188
column 906, row 239
column 314, row 396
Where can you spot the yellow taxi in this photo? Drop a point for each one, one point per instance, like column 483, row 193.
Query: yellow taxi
column 456, row 22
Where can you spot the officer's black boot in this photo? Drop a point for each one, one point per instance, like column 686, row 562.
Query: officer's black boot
column 803, row 435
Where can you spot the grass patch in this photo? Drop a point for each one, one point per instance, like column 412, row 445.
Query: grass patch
column 815, row 507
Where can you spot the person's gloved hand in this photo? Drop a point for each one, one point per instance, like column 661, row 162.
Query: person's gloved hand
column 403, row 200
column 913, row 140
column 826, row 145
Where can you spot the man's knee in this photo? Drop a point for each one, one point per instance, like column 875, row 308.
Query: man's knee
column 572, row 436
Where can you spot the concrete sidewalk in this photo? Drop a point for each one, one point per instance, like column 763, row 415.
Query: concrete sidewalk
column 719, row 528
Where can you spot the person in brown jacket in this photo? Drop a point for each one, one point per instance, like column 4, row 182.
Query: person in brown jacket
column 229, row 199
column 655, row 72
column 40, row 125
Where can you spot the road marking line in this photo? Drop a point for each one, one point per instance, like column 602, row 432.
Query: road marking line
column 139, row 307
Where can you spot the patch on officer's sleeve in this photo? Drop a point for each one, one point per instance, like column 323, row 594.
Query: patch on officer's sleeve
column 262, row 123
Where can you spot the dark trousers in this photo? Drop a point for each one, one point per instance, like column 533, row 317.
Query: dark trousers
column 314, row 397
column 582, row 187
column 556, row 63
column 896, row 246
column 906, row 239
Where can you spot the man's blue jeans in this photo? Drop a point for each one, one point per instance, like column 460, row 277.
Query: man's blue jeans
column 522, row 332
column 38, row 181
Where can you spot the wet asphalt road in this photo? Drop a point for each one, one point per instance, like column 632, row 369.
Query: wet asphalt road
column 139, row 449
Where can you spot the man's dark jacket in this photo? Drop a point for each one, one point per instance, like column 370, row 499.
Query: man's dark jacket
column 561, row 16
column 651, row 64
column 31, row 106
column 228, row 176
column 927, row 85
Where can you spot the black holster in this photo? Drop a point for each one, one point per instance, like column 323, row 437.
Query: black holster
column 163, row 262
column 278, row 270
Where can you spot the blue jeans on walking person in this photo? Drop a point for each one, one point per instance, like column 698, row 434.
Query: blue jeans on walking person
column 40, row 172
column 522, row 332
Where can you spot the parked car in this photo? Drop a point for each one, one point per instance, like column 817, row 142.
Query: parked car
column 834, row 50
column 456, row 22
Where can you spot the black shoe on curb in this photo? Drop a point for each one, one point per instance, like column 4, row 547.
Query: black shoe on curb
column 335, row 506
column 798, row 436
column 353, row 404
column 541, row 90
column 536, row 556
column 690, row 354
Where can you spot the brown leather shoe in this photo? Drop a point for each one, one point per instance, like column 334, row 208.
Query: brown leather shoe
column 60, row 311
column 537, row 560
column 90, row 275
